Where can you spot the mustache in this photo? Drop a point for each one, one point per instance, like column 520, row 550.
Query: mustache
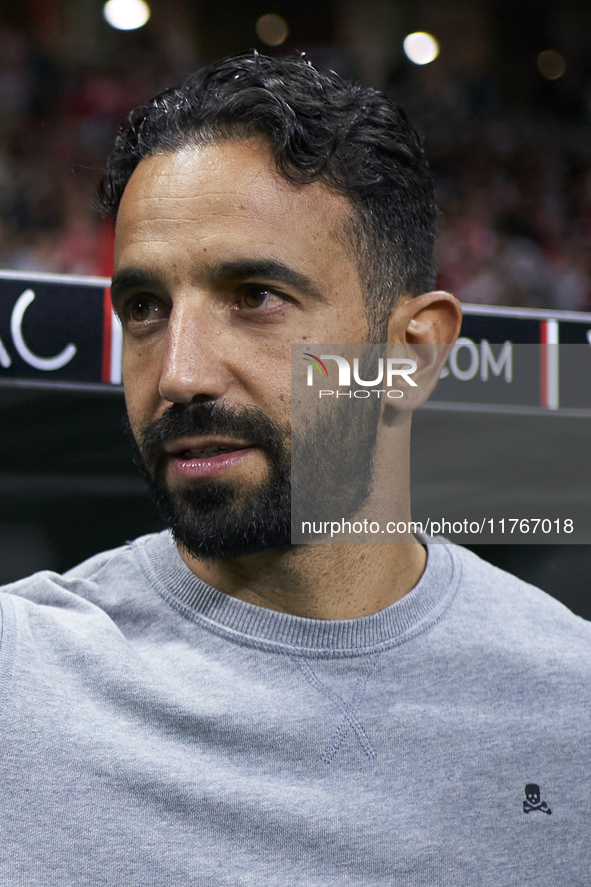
column 210, row 418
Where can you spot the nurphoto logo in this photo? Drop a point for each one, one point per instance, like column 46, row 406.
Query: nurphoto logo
column 399, row 367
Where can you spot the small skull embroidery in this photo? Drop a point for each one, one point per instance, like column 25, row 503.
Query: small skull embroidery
column 533, row 799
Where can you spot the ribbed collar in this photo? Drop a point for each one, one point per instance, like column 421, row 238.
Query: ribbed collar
column 250, row 624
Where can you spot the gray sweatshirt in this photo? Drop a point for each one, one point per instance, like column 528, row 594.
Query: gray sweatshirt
column 154, row 731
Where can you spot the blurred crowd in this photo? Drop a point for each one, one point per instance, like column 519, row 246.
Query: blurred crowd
column 57, row 122
column 515, row 229
column 514, row 189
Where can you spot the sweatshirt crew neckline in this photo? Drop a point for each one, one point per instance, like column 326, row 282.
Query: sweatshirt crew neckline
column 258, row 626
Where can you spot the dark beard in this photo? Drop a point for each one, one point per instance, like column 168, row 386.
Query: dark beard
column 331, row 464
column 332, row 455
column 219, row 519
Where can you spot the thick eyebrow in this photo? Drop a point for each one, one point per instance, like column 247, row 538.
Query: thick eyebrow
column 271, row 270
column 132, row 278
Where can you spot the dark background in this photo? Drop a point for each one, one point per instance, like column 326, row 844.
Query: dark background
column 510, row 150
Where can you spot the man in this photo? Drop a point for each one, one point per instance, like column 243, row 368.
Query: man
column 217, row 706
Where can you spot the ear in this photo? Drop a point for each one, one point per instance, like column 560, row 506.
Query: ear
column 423, row 329
column 431, row 319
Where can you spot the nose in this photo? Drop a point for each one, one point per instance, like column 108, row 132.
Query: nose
column 192, row 368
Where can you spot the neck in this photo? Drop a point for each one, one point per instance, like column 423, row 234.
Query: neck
column 318, row 581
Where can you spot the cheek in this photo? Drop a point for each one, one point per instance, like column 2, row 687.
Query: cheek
column 275, row 398
column 140, row 383
column 270, row 391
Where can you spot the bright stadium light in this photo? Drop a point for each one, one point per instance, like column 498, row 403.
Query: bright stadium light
column 272, row 29
column 421, row 48
column 126, row 15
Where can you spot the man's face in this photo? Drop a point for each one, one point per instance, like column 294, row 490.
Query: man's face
column 221, row 264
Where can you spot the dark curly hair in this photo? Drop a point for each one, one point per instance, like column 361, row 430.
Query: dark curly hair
column 322, row 128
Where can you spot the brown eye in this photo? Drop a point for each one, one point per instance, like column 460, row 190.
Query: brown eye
column 254, row 298
column 140, row 310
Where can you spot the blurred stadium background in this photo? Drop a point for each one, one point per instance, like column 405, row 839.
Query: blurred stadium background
column 505, row 111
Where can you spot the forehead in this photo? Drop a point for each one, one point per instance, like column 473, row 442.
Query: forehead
column 228, row 197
